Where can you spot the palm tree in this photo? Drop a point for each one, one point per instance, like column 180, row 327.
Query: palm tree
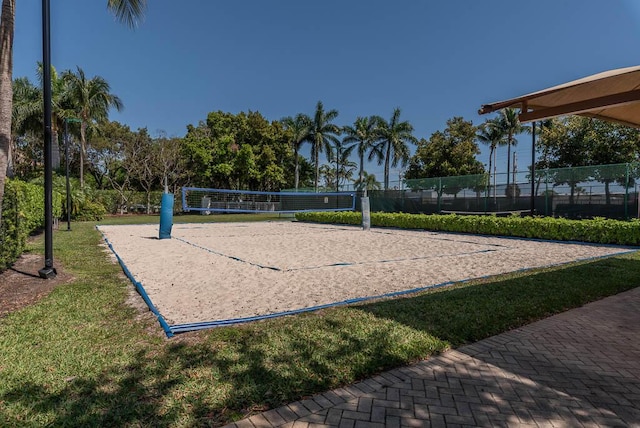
column 127, row 11
column 92, row 100
column 28, row 108
column 510, row 126
column 492, row 134
column 367, row 182
column 340, row 152
column 322, row 135
column 392, row 148
column 363, row 133
column 298, row 129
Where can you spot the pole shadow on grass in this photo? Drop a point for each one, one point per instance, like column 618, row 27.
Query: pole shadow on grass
column 211, row 378
column 236, row 371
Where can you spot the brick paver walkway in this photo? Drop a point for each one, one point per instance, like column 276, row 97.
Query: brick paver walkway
column 578, row 368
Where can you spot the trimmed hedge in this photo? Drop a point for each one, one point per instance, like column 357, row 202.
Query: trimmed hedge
column 598, row 230
column 22, row 214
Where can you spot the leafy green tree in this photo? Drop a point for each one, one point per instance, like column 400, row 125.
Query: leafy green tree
column 566, row 145
column 169, row 163
column 393, row 137
column 451, row 152
column 322, row 135
column 224, row 151
column 141, row 163
column 114, row 153
column 26, row 156
column 270, row 174
column 128, row 11
column 91, row 100
column 612, row 143
column 297, row 129
column 238, row 151
column 575, row 141
column 244, row 167
column 197, row 154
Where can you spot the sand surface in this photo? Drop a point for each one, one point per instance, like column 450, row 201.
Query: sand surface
column 218, row 271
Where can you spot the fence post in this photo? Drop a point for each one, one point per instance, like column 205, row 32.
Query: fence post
column 626, row 192
column 546, row 192
column 487, row 185
column 439, row 194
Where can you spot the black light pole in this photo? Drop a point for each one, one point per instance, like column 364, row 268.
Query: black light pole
column 533, row 169
column 66, row 170
column 48, row 271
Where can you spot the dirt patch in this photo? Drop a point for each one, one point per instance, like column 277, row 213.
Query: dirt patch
column 21, row 286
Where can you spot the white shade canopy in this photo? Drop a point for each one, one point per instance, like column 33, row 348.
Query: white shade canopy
column 613, row 95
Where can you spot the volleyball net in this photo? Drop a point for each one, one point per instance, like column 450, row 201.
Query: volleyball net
column 207, row 201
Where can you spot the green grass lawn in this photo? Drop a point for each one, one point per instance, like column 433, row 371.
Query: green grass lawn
column 82, row 356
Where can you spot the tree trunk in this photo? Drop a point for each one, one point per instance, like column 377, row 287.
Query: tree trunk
column 361, row 173
column 387, row 158
column 83, row 150
column 6, row 90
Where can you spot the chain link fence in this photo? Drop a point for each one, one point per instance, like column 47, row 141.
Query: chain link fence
column 583, row 192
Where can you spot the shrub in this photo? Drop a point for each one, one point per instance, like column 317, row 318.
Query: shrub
column 598, row 230
column 22, row 214
column 90, row 211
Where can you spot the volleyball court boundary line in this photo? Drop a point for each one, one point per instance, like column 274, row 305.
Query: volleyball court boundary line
column 278, row 269
column 172, row 330
column 183, row 328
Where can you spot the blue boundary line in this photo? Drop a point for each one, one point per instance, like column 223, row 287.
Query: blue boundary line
column 183, row 328
column 170, row 331
column 167, row 329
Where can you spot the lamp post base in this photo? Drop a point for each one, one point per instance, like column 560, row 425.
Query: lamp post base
column 47, row 273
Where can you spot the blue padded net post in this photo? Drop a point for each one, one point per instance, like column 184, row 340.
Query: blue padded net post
column 166, row 215
column 366, row 213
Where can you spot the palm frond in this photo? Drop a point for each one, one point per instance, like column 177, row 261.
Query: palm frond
column 130, row 12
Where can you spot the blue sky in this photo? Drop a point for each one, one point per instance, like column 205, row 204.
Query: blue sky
column 433, row 59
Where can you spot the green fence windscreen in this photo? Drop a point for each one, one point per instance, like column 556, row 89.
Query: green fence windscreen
column 582, row 192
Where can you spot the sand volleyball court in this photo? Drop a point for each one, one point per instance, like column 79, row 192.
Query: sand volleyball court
column 207, row 273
